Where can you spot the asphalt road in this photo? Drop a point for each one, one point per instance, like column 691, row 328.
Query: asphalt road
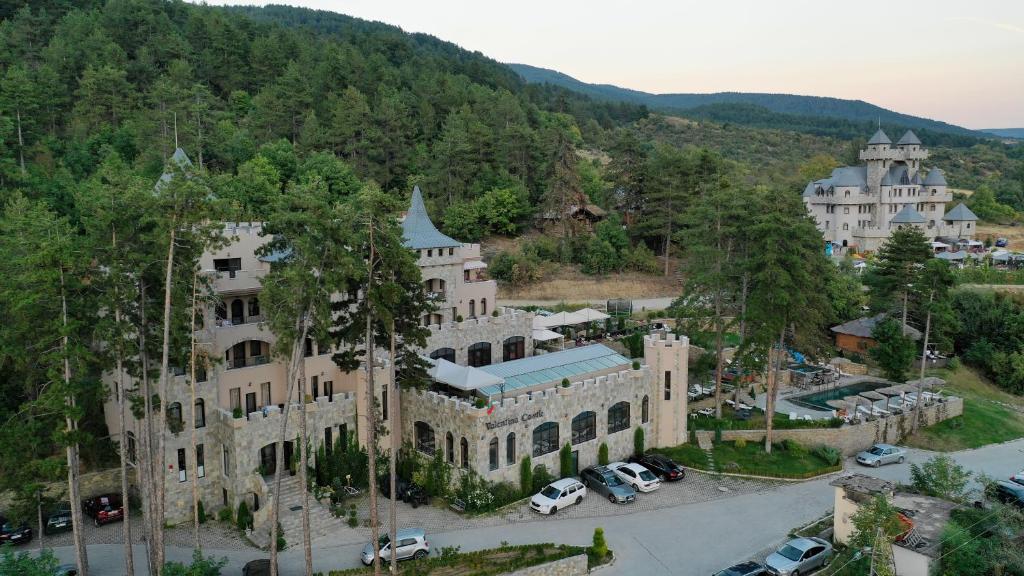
column 693, row 539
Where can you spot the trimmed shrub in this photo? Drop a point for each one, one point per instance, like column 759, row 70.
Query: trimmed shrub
column 565, row 461
column 224, row 515
column 600, row 546
column 242, row 519
column 565, row 382
column 636, row 364
column 794, row 447
column 541, row 477
column 201, row 512
column 829, row 454
column 526, row 476
column 281, row 543
column 740, row 443
column 638, row 441
column 602, row 454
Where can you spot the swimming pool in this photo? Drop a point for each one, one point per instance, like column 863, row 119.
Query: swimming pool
column 820, row 399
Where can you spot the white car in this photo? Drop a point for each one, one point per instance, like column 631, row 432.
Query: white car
column 640, row 478
column 558, row 494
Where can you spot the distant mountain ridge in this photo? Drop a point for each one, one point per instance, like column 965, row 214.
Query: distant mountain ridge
column 1006, row 132
column 856, row 111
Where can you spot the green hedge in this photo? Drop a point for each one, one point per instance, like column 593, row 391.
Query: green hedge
column 480, row 563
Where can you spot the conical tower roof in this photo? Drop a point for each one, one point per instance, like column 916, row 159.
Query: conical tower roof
column 880, row 138
column 417, row 229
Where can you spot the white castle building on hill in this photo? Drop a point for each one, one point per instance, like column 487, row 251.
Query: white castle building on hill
column 857, row 207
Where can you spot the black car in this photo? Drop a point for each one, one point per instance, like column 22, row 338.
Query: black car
column 408, row 492
column 11, row 533
column 59, row 519
column 744, row 569
column 662, row 466
column 259, row 567
column 1008, row 493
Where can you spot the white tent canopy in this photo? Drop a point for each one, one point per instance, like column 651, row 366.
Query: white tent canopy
column 569, row 318
column 543, row 335
column 591, row 315
column 464, row 378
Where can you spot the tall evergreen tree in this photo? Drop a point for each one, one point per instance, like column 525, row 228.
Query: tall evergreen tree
column 895, row 269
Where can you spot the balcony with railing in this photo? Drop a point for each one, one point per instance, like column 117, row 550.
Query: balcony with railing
column 238, row 281
column 247, row 362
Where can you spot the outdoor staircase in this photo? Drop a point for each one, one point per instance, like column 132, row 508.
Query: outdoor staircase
column 321, row 521
column 705, row 441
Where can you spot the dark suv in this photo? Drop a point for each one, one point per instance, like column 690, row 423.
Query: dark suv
column 608, row 484
column 11, row 533
column 59, row 519
column 104, row 509
column 662, row 466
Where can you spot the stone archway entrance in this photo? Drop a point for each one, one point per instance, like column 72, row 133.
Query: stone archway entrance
column 268, row 457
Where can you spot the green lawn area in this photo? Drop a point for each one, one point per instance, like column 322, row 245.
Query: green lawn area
column 752, row 459
column 983, row 422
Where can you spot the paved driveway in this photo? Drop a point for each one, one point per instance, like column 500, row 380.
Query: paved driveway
column 696, row 538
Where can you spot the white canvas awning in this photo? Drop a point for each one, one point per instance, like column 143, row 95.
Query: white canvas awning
column 555, row 320
column 473, row 264
column 544, row 335
column 940, row 245
column 590, row 315
column 464, row 378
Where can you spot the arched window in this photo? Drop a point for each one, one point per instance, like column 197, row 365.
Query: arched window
column 514, row 348
column 483, row 306
column 492, row 454
column 424, row 437
column 645, row 407
column 446, row 353
column 510, row 449
column 200, row 413
column 480, row 354
column 174, row 419
column 545, row 438
column 237, row 311
column 464, row 449
column 618, row 417
column 254, row 306
column 449, row 447
column 584, row 427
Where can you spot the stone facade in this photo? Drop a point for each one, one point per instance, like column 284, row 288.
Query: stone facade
column 854, row 438
column 495, row 330
column 506, row 429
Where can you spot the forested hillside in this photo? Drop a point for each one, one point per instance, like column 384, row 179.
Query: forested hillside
column 740, row 106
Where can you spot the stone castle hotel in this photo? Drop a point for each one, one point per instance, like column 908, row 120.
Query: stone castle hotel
column 479, row 351
column 858, row 206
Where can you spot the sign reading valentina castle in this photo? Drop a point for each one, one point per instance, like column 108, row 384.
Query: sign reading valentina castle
column 857, row 207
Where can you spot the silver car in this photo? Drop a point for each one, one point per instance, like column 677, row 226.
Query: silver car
column 799, row 556
column 606, row 483
column 412, row 543
column 880, row 454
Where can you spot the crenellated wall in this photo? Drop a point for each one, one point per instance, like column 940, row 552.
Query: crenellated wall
column 494, row 329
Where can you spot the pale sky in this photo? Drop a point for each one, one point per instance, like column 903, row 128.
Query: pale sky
column 960, row 62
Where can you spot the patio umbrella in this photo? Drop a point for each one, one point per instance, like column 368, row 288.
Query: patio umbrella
column 927, row 382
column 890, row 390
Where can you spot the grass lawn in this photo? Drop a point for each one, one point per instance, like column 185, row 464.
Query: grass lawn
column 752, row 459
column 985, row 420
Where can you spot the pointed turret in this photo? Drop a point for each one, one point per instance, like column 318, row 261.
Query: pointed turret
column 417, row 229
column 879, row 138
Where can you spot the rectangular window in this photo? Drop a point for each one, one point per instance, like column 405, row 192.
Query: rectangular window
column 236, row 398
column 200, row 461
column 182, row 475
column 384, row 403
column 329, row 390
column 315, row 382
column 668, row 384
column 227, row 461
column 224, row 496
column 451, row 251
column 430, row 253
column 255, row 348
column 309, row 347
column 265, row 394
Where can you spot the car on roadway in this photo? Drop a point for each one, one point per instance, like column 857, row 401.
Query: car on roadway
column 799, row 556
column 59, row 519
column 640, row 478
column 880, row 454
column 69, row 570
column 259, row 567
column 608, row 484
column 14, row 532
column 104, row 509
column 1001, row 242
column 743, row 569
column 412, row 543
column 662, row 466
column 558, row 495
column 1007, row 492
column 1018, row 478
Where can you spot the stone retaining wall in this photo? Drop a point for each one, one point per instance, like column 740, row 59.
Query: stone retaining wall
column 853, row 438
column 571, row 566
column 91, row 484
